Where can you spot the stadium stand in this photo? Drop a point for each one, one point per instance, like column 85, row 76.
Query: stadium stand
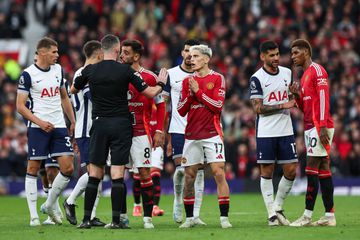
column 233, row 29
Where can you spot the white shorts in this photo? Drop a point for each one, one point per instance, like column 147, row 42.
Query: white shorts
column 157, row 158
column 195, row 151
column 140, row 152
column 313, row 145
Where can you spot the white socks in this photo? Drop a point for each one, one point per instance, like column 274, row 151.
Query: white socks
column 78, row 189
column 267, row 191
column 308, row 213
column 31, row 195
column 59, row 184
column 178, row 179
column 199, row 191
column 284, row 188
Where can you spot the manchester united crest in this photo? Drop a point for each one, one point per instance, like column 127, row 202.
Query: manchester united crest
column 210, row 85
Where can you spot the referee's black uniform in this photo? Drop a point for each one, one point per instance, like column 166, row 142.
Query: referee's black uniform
column 111, row 129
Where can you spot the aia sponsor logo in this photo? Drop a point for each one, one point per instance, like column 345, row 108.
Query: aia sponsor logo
column 50, row 92
column 278, row 96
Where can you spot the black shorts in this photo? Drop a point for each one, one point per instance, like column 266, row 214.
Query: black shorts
column 114, row 134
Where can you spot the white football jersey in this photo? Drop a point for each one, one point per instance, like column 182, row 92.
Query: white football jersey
column 43, row 88
column 173, row 89
column 83, row 107
column 273, row 89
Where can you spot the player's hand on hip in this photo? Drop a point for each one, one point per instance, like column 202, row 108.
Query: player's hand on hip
column 46, row 126
column 194, row 85
column 324, row 136
column 163, row 76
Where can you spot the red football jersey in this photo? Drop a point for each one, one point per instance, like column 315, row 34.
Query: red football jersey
column 140, row 106
column 204, row 109
column 314, row 98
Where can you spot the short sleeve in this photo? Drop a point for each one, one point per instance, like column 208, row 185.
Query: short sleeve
column 81, row 80
column 136, row 80
column 24, row 82
column 255, row 88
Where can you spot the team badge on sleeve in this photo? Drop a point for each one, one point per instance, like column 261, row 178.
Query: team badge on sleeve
column 253, row 87
column 21, row 81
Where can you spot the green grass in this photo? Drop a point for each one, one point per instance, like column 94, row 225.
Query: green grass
column 247, row 214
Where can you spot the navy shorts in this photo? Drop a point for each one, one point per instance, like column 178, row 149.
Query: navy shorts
column 177, row 142
column 276, row 149
column 49, row 162
column 41, row 144
column 83, row 144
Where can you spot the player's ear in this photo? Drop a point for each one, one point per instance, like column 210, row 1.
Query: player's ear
column 306, row 51
column 262, row 57
column 137, row 56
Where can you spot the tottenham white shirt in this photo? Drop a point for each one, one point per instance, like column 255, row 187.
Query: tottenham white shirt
column 173, row 89
column 83, row 107
column 273, row 89
column 43, row 89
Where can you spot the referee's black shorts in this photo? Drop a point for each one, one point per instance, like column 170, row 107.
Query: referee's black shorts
column 114, row 133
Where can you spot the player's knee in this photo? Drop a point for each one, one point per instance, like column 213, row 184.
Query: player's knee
column 218, row 174
column 190, row 175
column 144, row 173
column 290, row 172
column 68, row 169
column 32, row 169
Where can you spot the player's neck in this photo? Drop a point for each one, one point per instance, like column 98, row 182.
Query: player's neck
column 136, row 66
column 90, row 61
column 271, row 69
column 203, row 72
column 186, row 67
column 307, row 63
column 42, row 65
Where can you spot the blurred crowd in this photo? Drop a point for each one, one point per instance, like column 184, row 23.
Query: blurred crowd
column 233, row 29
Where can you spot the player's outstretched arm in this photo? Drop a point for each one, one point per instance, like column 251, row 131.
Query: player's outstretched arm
column 260, row 108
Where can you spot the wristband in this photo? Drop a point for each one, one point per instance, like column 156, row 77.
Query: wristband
column 161, row 84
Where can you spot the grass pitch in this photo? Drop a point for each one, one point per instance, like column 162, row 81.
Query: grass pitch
column 247, row 215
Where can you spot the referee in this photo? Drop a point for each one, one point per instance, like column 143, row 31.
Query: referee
column 108, row 82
